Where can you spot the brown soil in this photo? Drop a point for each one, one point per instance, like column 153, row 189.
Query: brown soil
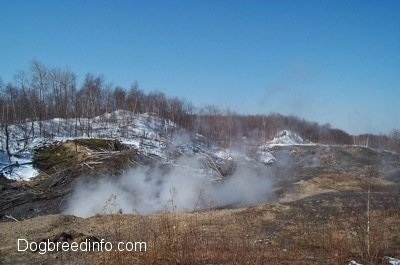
column 321, row 215
column 272, row 234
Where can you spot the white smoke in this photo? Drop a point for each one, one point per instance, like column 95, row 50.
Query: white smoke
column 147, row 190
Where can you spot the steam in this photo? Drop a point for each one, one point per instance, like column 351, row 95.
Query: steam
column 146, row 190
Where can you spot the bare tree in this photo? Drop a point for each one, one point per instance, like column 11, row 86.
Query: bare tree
column 119, row 96
column 39, row 85
column 394, row 140
column 91, row 98
column 135, row 99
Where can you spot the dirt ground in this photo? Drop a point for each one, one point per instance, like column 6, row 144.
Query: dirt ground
column 302, row 233
column 334, row 204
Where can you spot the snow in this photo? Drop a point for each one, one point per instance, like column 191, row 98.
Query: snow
column 223, row 154
column 145, row 132
column 21, row 168
column 23, row 173
column 282, row 138
column 287, row 137
column 353, row 262
column 267, row 158
column 393, row 261
column 149, row 134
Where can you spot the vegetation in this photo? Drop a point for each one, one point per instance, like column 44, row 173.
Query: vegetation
column 55, row 156
column 317, row 228
column 267, row 234
column 83, row 152
column 42, row 93
column 100, row 144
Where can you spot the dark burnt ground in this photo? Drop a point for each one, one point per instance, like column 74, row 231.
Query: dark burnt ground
column 326, row 207
column 302, row 163
column 341, row 173
column 322, row 229
column 305, row 162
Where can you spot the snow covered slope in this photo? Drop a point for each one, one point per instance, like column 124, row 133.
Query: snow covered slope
column 145, row 132
column 150, row 135
column 282, row 138
column 287, row 137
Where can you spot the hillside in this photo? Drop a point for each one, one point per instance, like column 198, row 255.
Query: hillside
column 139, row 177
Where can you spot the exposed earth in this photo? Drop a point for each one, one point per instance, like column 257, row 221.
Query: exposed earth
column 329, row 205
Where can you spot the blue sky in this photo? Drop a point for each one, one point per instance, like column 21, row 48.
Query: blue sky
column 334, row 62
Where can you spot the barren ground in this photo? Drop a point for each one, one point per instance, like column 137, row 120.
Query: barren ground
column 319, row 217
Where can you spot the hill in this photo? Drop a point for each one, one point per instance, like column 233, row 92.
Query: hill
column 285, row 200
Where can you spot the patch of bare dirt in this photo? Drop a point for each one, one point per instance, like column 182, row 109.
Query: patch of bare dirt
column 321, row 217
column 325, row 183
column 277, row 234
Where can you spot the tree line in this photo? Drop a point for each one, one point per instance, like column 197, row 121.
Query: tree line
column 43, row 93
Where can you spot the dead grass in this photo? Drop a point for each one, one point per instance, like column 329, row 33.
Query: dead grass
column 324, row 183
column 265, row 234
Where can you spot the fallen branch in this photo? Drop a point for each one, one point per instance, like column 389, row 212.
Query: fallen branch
column 16, row 164
column 93, row 162
column 11, row 217
column 86, row 164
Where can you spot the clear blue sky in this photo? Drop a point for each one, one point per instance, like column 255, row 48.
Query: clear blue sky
column 334, row 62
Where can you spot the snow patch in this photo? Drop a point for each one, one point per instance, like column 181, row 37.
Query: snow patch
column 287, row 137
column 222, row 154
column 18, row 167
column 393, row 261
column 267, row 158
column 145, row 132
